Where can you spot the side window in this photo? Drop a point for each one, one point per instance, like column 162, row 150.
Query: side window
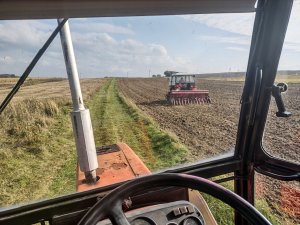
column 282, row 134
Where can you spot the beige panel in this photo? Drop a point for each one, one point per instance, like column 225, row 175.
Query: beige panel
column 196, row 198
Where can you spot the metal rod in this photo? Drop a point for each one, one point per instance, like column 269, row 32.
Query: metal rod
column 31, row 66
column 66, row 41
column 82, row 125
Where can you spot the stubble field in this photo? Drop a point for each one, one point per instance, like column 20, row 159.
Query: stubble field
column 47, row 88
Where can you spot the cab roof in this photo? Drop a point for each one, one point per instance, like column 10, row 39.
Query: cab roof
column 46, row 9
column 182, row 75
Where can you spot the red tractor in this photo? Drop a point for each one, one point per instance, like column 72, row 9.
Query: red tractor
column 183, row 90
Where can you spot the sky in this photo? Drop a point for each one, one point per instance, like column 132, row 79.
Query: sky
column 142, row 46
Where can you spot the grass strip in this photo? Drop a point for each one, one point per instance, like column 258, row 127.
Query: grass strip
column 116, row 119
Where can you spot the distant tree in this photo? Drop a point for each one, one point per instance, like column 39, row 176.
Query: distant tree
column 158, row 75
column 168, row 73
column 153, row 75
column 8, row 76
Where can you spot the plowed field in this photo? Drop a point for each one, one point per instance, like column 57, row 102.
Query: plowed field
column 206, row 129
column 209, row 130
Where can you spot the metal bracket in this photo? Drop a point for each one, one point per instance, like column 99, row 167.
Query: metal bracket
column 255, row 94
column 276, row 93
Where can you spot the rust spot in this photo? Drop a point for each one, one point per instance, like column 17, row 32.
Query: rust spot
column 114, row 167
column 118, row 166
column 100, row 171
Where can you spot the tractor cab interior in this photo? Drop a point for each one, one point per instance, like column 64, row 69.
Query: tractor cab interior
column 122, row 189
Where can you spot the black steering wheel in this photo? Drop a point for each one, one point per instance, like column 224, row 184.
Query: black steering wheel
column 111, row 205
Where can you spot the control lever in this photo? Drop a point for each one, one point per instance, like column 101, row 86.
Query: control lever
column 276, row 93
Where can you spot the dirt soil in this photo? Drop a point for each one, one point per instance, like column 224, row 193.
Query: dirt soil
column 207, row 129
column 210, row 130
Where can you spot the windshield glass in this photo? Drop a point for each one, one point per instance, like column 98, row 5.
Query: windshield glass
column 283, row 133
column 184, row 79
column 121, row 63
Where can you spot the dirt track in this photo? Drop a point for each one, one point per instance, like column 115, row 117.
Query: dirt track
column 209, row 130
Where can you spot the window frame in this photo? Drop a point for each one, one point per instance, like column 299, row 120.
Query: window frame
column 269, row 30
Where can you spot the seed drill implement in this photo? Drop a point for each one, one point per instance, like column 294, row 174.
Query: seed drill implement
column 183, row 90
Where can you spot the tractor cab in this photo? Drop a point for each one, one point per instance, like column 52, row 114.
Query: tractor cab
column 182, row 82
column 114, row 183
column 183, row 90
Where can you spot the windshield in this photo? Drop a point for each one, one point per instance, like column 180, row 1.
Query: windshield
column 181, row 79
column 121, row 64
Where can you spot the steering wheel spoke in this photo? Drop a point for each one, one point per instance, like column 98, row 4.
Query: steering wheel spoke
column 117, row 216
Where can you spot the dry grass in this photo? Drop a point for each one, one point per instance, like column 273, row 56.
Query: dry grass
column 288, row 78
column 37, row 152
column 10, row 82
column 239, row 78
column 279, row 78
column 48, row 88
column 28, row 164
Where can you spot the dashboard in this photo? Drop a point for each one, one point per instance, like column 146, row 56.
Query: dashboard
column 174, row 213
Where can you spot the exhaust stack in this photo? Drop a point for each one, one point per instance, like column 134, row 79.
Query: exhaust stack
column 81, row 120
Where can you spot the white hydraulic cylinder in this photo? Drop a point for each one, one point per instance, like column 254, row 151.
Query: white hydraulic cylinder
column 81, row 120
column 84, row 138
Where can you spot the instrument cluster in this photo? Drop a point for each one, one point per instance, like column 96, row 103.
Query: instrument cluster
column 174, row 213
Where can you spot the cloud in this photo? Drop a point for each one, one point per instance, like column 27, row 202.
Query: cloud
column 237, row 49
column 97, row 53
column 100, row 27
column 292, row 39
column 238, row 23
column 110, row 49
column 21, row 40
column 242, row 24
column 24, row 33
column 292, row 47
column 238, row 40
column 7, row 59
column 112, row 57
